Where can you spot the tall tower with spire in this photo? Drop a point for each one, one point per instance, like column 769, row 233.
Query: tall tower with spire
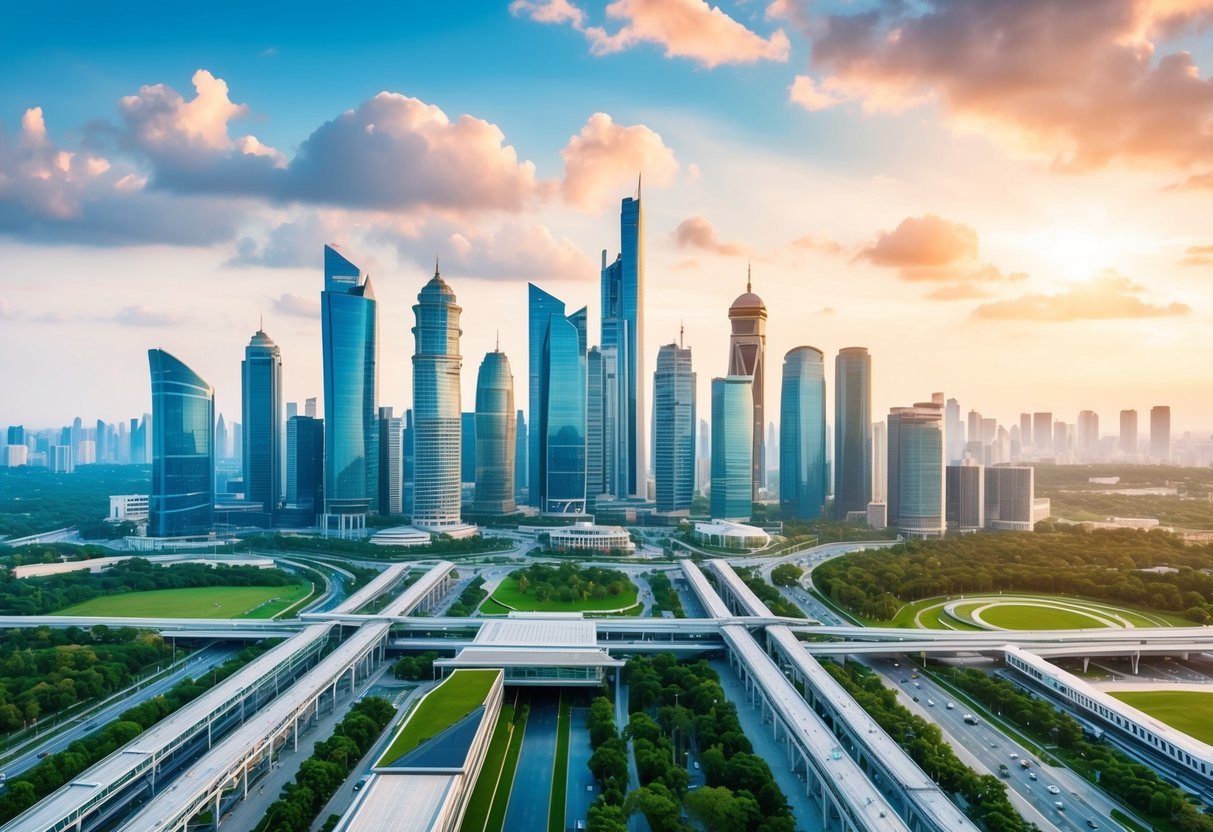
column 436, row 407
column 261, row 385
column 747, row 357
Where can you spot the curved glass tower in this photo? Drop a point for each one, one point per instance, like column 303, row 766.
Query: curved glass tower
column 436, row 407
column 261, row 377
column 558, row 402
column 802, row 434
column 732, row 447
column 349, row 322
column 496, row 426
column 852, row 431
column 916, row 470
column 183, row 452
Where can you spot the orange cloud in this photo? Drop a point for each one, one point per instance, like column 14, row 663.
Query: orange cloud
column 805, row 92
column 606, row 157
column 1109, row 295
column 934, row 249
column 698, row 233
column 1197, row 256
column 959, row 291
column 550, row 11
column 821, row 243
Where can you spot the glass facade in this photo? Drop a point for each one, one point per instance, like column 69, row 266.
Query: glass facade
column 520, row 457
column 732, row 447
column 261, row 377
column 540, row 308
column 391, row 462
column 674, row 419
column 349, row 321
column 436, row 407
column 467, row 446
column 495, row 436
column 852, row 431
column 305, row 463
column 916, row 470
column 182, row 501
column 747, row 357
column 802, row 434
column 563, row 410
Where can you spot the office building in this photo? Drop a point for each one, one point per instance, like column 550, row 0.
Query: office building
column 222, row 442
column 1025, row 430
column 966, row 499
column 391, row 462
column 1087, row 439
column 261, row 380
column 802, row 434
column 880, row 463
column 305, row 466
column 747, row 357
column 1128, row 432
column 1160, row 433
column 408, row 464
column 1010, row 495
column 86, row 452
column 521, row 447
column 182, row 499
column 62, row 461
column 496, row 440
column 467, row 446
column 955, row 433
column 309, row 407
column 732, row 495
column 622, row 294
column 852, row 431
column 436, row 408
column 674, row 418
column 916, row 470
column 349, row 323
column 1042, row 433
column 558, row 405
column 16, row 435
column 292, row 410
column 597, row 444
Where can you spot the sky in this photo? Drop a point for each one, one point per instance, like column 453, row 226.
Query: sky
column 1010, row 201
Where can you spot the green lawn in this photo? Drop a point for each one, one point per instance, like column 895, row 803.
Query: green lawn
column 507, row 595
column 460, row 694
column 196, row 602
column 1184, row 710
column 1023, row 617
column 560, row 767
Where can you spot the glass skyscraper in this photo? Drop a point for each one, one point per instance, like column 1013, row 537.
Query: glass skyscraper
column 349, row 322
column 305, row 464
column 852, row 431
column 261, row 377
column 558, row 405
column 623, row 334
column 467, row 446
column 182, row 501
column 732, row 448
column 521, row 445
column 436, row 407
column 495, row 436
column 391, row 462
column 802, row 434
column 674, row 420
column 916, row 504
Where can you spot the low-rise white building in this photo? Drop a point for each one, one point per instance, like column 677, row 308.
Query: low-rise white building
column 131, row 507
column 401, row 536
column 726, row 534
column 590, row 537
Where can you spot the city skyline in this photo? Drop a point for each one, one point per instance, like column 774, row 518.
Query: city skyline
column 724, row 171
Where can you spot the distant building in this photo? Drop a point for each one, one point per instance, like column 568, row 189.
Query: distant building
column 954, row 432
column 391, row 463
column 802, row 439
column 521, row 446
column 1025, row 430
column 182, row 499
column 852, row 431
column 261, row 386
column 1087, row 444
column 732, row 445
column 1010, row 498
column 496, row 422
column 674, row 417
column 132, row 507
column 1042, row 433
column 880, row 463
column 747, row 357
column 878, row 515
column 309, row 407
column 965, row 490
column 408, row 446
column 1160, row 433
column 1128, row 432
column 916, row 470
column 61, row 459
column 15, row 456
column 467, row 446
column 305, row 465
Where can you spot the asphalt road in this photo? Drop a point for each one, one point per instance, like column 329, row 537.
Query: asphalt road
column 582, row 787
column 532, row 792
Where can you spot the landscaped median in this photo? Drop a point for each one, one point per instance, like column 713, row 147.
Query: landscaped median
column 461, row 695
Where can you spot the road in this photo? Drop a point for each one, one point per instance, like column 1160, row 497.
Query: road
column 582, row 787
column 532, row 792
column 194, row 667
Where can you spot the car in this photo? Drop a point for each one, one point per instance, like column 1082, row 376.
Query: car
column 915, row 698
column 43, row 754
column 905, row 681
column 361, row 782
column 696, row 764
column 1031, row 775
column 931, row 703
column 1053, row 789
column 1091, row 824
column 1014, row 755
column 951, row 706
column 1059, row 806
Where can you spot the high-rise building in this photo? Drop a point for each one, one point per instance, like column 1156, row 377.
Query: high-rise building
column 916, row 470
column 966, row 498
column 87, row 452
column 496, row 426
column 852, row 431
column 61, row 459
column 558, row 405
column 802, row 434
column 467, row 446
column 292, row 410
column 261, row 377
column 1042, row 433
column 1061, row 439
column 101, row 437
column 623, row 333
column 408, row 448
column 880, row 462
column 1025, row 430
column 1128, row 432
column 349, row 322
column 955, row 432
column 16, row 435
column 1087, row 444
column 747, row 357
column 436, row 407
column 597, row 444
column 732, row 448
column 391, row 462
column 222, row 442
column 1160, row 433
column 1010, row 497
column 674, row 417
column 305, row 464
column 309, row 407
column 182, row 500
column 703, row 459
column 521, row 446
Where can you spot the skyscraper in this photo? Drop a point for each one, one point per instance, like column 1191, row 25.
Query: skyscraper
column 596, row 418
column 1087, row 445
column 955, row 431
column 222, row 442
column 732, row 448
column 496, row 426
column 349, row 322
column 309, row 407
column 261, row 384
column 467, row 446
column 802, row 434
column 183, row 460
column 1010, row 497
column 1128, row 432
column 1025, row 430
column 521, row 445
column 436, row 407
column 305, row 464
column 880, row 462
column 747, row 357
column 408, row 466
column 1160, row 433
column 391, row 462
column 674, row 418
column 558, row 405
column 1042, row 433
column 966, row 498
column 622, row 289
column 916, row 470
column 852, row 431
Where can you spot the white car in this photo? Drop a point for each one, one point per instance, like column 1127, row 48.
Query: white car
column 1054, row 790
column 1014, row 756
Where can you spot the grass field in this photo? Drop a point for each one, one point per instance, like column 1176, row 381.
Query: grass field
column 1024, row 617
column 560, row 767
column 506, row 596
column 1184, row 710
column 196, row 602
column 461, row 693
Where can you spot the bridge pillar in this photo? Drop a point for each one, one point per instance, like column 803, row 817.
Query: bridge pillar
column 218, row 795
column 1136, row 660
column 1086, row 662
column 295, row 725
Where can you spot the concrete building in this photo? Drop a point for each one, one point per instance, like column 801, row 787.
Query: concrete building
column 1087, row 439
column 1042, row 434
column 588, row 537
column 1160, row 433
column 1010, row 498
column 747, row 357
column 728, row 535
column 132, row 507
column 1128, row 432
column 966, row 500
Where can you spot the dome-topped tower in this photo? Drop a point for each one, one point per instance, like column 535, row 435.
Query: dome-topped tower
column 747, row 349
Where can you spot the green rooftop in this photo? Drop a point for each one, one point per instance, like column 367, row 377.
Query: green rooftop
column 459, row 695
